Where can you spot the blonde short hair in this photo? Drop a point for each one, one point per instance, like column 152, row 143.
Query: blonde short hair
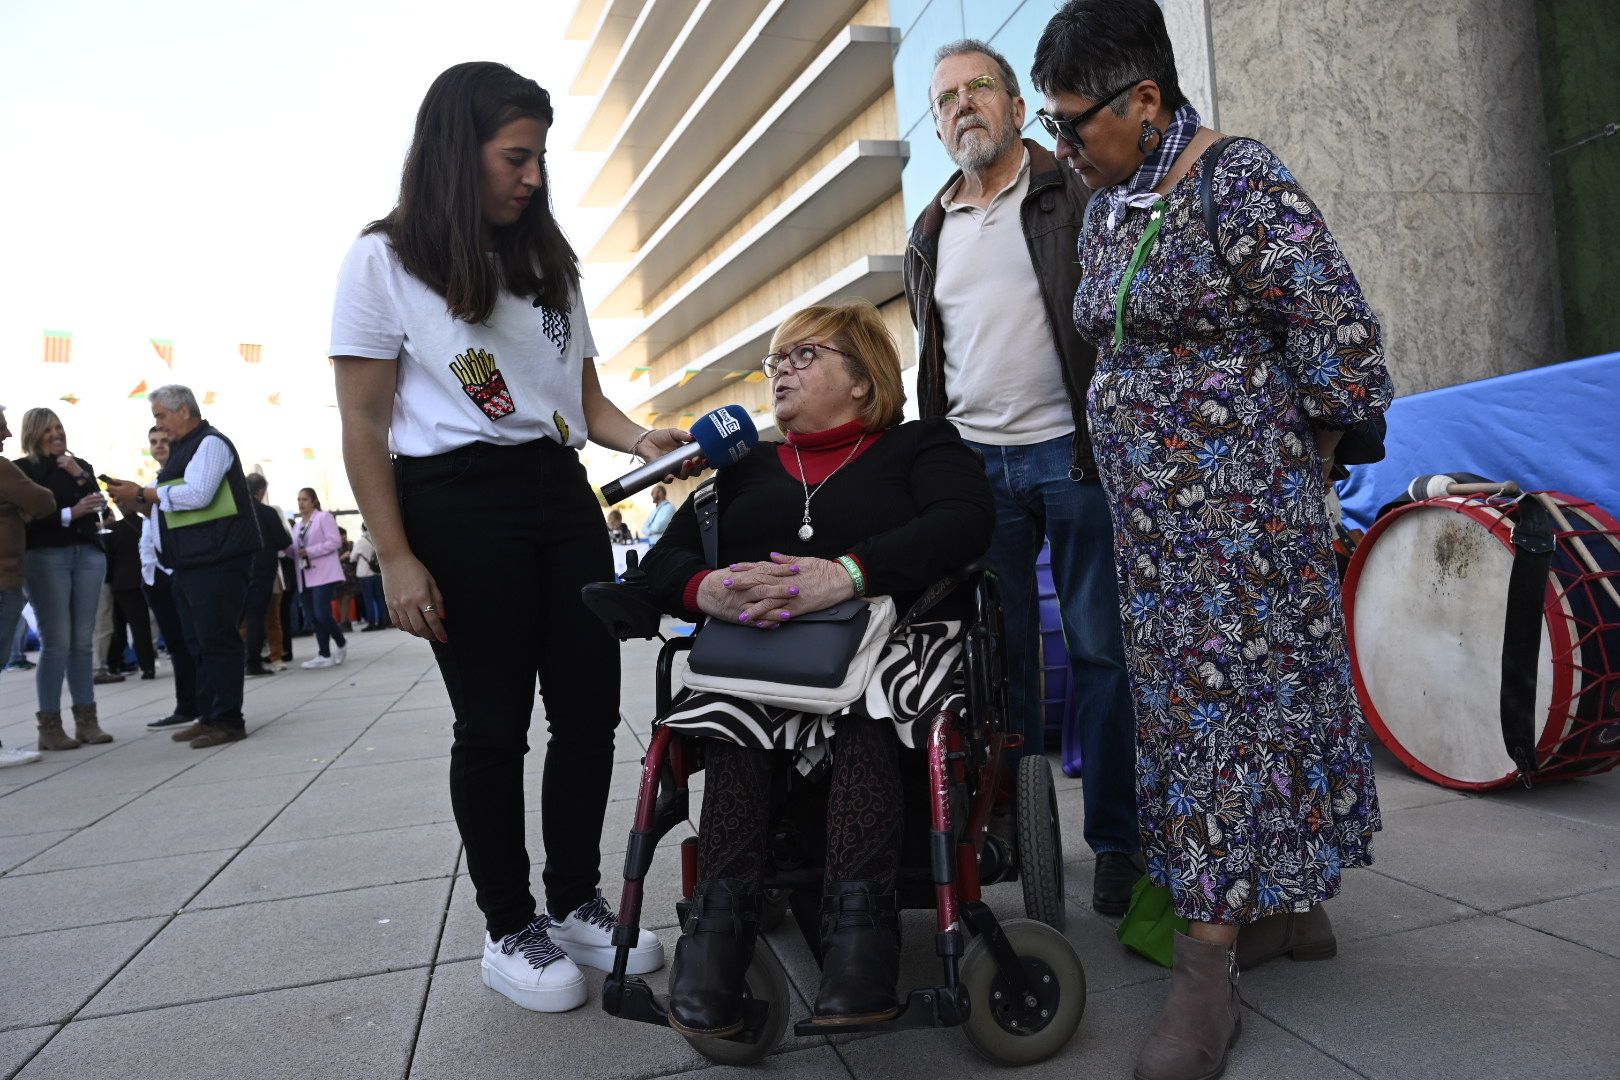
column 855, row 326
column 34, row 423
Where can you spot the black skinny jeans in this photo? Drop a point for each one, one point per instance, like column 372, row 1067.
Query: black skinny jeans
column 160, row 595
column 511, row 534
column 261, row 580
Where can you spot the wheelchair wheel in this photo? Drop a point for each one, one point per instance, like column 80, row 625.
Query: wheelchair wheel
column 1040, row 842
column 993, row 1027
column 773, row 905
column 765, row 979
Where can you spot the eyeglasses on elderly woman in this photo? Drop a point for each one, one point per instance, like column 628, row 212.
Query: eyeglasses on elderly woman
column 1068, row 128
column 798, row 357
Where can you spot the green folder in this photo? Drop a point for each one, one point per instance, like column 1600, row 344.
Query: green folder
column 223, row 506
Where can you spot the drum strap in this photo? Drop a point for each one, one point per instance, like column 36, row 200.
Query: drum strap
column 1521, row 638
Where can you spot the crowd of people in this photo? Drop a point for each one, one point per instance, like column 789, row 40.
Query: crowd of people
column 198, row 562
column 1139, row 345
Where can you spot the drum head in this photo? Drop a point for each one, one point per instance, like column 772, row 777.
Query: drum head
column 1427, row 597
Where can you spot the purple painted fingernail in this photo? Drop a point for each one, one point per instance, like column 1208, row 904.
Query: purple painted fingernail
column 776, row 554
column 742, row 616
column 794, row 568
column 793, row 590
column 787, row 615
column 726, row 583
column 733, row 566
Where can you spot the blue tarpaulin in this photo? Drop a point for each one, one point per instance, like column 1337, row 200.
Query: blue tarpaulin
column 1554, row 428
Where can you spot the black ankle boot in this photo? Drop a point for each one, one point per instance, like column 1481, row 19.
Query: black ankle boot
column 711, row 958
column 860, row 955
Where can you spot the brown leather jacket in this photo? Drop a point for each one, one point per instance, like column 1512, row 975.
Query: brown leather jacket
column 1053, row 212
column 21, row 500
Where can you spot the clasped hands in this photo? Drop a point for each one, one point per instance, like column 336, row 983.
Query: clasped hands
column 768, row 594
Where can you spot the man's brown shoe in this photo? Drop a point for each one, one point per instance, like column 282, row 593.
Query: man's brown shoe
column 217, row 735
column 189, row 733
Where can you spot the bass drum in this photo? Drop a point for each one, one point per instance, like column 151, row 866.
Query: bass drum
column 1426, row 598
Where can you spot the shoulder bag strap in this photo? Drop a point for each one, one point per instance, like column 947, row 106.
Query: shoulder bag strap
column 706, row 504
column 1206, row 195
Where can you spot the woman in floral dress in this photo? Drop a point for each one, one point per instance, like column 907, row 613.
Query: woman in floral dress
column 1227, row 368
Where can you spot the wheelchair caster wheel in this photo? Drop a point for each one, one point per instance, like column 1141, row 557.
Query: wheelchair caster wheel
column 765, row 979
column 1040, row 842
column 1018, row 1033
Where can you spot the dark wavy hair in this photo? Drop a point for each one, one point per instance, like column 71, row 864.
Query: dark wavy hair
column 1093, row 47
column 437, row 227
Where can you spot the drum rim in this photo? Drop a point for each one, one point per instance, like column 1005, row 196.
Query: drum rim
column 1497, row 523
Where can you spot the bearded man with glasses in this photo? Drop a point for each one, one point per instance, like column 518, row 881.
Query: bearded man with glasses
column 991, row 274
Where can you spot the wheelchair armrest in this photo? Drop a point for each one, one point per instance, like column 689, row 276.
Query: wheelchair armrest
column 626, row 610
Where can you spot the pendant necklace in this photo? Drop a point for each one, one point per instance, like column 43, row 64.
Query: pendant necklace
column 806, row 531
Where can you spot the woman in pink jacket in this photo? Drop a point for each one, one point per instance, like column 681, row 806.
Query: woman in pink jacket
column 315, row 553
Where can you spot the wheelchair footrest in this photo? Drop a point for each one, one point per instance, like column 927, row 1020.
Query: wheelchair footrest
column 926, row 1007
column 635, row 1000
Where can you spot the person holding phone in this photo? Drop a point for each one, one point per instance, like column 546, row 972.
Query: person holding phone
column 462, row 350
column 65, row 569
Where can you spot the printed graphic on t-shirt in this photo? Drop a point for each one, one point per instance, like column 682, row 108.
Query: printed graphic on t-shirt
column 556, row 327
column 483, row 382
column 562, row 426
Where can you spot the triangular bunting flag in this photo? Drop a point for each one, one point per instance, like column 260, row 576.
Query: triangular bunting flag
column 164, row 347
column 754, row 376
column 731, row 375
column 251, row 353
column 638, row 373
column 71, row 399
column 140, row 389
column 274, row 399
column 687, row 376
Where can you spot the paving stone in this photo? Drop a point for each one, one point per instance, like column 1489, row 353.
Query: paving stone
column 1494, row 856
column 359, row 1029
column 16, row 850
column 1588, row 920
column 92, row 895
column 1371, row 905
column 365, row 798
column 1594, row 800
column 45, row 977
column 794, row 1060
column 1480, row 997
column 1110, row 1036
column 378, row 745
column 42, row 806
column 16, row 1046
column 281, row 943
column 465, row 1020
column 332, row 863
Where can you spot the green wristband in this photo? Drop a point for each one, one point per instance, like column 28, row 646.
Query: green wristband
column 853, row 569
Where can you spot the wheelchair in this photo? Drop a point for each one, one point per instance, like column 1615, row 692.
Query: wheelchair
column 1016, row 988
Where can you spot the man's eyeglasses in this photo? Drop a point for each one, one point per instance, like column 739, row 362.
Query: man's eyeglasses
column 979, row 91
column 1068, row 128
column 798, row 358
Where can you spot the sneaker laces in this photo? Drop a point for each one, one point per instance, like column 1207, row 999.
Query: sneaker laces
column 596, row 912
column 535, row 943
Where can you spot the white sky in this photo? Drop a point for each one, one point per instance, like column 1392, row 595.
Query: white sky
column 196, row 170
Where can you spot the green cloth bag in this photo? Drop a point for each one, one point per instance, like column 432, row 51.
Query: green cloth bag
column 1151, row 923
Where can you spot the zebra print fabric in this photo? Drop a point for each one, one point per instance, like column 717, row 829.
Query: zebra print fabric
column 914, row 679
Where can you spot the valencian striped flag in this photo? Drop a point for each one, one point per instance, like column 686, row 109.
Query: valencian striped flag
column 165, row 350
column 251, row 353
column 58, row 347
column 140, row 389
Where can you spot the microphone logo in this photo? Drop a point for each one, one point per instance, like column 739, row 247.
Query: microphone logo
column 725, row 423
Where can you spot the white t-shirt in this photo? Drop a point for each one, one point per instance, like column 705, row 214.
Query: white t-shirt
column 512, row 380
column 1003, row 374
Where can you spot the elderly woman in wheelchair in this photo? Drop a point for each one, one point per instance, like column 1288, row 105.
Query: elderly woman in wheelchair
column 799, row 558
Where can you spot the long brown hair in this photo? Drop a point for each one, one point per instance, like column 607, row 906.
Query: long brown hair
column 437, row 227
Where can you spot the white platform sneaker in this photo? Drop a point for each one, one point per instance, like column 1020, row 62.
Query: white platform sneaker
column 316, row 662
column 586, row 935
column 529, row 968
column 8, row 756
column 338, row 653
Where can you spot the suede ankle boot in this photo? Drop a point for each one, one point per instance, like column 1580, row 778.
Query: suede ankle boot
column 711, row 959
column 86, row 728
column 1199, row 1023
column 51, row 735
column 1302, row 935
column 860, row 955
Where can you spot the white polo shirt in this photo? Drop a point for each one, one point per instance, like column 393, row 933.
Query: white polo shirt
column 511, row 380
column 1003, row 374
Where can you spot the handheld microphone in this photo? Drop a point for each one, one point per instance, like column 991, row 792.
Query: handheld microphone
column 724, row 436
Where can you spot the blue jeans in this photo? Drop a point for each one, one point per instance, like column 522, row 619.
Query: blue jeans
column 371, row 592
column 317, row 602
column 64, row 584
column 14, row 643
column 1036, row 500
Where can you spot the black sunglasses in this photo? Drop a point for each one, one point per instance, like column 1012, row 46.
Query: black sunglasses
column 1068, row 128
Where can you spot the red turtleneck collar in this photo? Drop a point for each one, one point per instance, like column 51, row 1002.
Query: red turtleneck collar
column 824, row 451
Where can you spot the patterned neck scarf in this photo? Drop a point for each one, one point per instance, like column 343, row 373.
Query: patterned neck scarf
column 1138, row 191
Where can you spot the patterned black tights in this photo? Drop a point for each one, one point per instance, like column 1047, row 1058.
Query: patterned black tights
column 864, row 808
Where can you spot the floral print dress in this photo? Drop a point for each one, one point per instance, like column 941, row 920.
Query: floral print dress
column 1254, row 778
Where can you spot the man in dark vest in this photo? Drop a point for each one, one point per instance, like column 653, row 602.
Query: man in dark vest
column 209, row 534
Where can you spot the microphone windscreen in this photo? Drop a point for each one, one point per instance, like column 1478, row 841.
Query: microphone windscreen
column 726, row 435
